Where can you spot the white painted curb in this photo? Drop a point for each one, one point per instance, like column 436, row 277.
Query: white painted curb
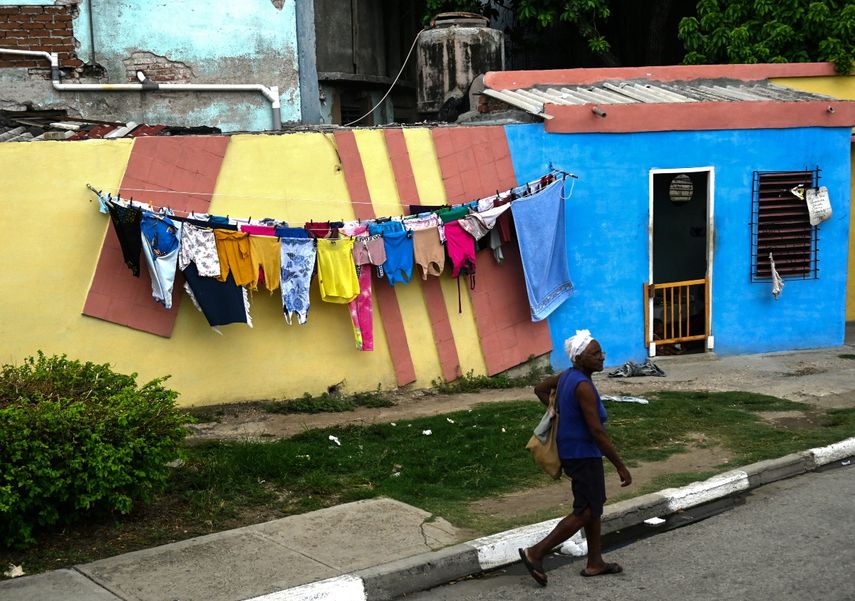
column 502, row 549
column 340, row 588
column 708, row 490
column 834, row 452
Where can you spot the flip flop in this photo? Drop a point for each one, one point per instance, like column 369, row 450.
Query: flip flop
column 538, row 574
column 611, row 568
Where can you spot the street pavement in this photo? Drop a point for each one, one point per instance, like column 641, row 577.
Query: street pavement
column 791, row 540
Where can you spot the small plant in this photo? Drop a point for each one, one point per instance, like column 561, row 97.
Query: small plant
column 327, row 402
column 76, row 439
column 469, row 382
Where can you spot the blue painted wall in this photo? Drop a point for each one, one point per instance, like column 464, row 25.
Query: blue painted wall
column 607, row 233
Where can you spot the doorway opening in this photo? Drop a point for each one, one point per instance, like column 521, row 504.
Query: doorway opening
column 677, row 295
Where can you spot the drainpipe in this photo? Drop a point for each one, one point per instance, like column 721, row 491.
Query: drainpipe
column 270, row 93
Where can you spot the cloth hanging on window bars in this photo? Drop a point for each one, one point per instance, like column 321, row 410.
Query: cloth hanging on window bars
column 777, row 280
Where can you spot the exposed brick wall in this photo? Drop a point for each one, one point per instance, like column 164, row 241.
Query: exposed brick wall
column 488, row 104
column 157, row 68
column 45, row 28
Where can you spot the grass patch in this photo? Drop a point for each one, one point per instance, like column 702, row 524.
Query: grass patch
column 329, row 403
column 469, row 455
column 469, row 382
column 847, row 356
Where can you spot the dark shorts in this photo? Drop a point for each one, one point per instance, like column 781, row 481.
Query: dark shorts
column 588, row 483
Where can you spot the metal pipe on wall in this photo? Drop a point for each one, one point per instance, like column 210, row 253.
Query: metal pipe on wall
column 270, row 93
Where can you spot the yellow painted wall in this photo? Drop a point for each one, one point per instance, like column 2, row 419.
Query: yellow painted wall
column 55, row 231
column 842, row 87
column 52, row 235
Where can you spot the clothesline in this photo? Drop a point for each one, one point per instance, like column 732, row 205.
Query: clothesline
column 281, row 198
column 222, row 257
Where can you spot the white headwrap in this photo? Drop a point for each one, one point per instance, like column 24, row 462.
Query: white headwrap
column 574, row 345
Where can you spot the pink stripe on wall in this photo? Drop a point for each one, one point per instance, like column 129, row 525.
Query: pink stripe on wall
column 512, row 80
column 178, row 172
column 387, row 300
column 443, row 336
column 476, row 162
column 622, row 118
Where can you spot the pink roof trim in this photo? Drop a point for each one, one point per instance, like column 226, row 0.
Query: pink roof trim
column 512, row 80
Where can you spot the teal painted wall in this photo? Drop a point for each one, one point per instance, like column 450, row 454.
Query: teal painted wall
column 248, row 41
column 222, row 42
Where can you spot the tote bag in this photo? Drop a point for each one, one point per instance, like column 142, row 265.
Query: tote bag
column 545, row 452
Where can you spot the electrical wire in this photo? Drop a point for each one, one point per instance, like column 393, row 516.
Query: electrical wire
column 397, row 77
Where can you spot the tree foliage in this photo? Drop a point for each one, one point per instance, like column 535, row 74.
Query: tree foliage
column 771, row 31
column 719, row 31
column 586, row 15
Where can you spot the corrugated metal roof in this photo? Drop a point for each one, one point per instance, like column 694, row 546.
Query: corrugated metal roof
column 33, row 125
column 534, row 98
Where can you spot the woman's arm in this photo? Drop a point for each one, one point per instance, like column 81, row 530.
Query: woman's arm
column 545, row 388
column 588, row 403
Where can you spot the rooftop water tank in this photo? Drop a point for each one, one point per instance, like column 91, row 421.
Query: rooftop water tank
column 454, row 51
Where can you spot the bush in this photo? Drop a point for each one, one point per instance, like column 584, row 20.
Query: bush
column 77, row 438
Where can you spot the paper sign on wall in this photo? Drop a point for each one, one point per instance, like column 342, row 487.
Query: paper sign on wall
column 818, row 204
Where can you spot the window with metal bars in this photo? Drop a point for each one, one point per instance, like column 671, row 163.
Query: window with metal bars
column 780, row 226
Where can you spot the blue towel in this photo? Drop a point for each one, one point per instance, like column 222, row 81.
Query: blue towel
column 539, row 221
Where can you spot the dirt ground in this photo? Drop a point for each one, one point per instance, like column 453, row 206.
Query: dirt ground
column 821, row 378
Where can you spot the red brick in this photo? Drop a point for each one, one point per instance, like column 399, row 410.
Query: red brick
column 31, row 10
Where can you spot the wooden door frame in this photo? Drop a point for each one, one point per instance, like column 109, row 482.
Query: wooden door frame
column 648, row 317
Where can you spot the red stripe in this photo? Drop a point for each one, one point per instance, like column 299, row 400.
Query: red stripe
column 443, row 336
column 187, row 164
column 621, row 118
column 387, row 300
column 476, row 162
column 399, row 156
column 512, row 80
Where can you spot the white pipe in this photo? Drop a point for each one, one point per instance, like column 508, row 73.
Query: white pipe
column 270, row 93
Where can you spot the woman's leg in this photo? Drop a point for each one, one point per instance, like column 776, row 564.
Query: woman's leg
column 562, row 531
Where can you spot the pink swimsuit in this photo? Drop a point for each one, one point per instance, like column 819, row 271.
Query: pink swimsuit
column 461, row 248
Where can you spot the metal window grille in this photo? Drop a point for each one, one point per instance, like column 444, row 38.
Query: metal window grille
column 780, row 225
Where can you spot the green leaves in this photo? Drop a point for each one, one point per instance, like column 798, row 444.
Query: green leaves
column 751, row 31
column 76, row 438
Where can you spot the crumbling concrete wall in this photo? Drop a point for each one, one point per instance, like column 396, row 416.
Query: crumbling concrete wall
column 221, row 42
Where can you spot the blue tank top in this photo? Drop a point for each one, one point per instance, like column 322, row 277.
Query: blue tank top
column 573, row 438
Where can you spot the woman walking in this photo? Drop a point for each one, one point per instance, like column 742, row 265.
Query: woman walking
column 582, row 441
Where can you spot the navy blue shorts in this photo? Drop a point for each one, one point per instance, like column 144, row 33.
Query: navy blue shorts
column 588, row 483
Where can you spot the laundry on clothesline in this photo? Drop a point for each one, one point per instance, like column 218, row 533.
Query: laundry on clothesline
column 223, row 258
column 543, row 249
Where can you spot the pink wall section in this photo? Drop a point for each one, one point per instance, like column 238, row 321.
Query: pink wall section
column 476, row 162
column 177, row 172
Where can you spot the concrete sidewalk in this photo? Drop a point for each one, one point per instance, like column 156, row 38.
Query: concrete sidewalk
column 382, row 549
